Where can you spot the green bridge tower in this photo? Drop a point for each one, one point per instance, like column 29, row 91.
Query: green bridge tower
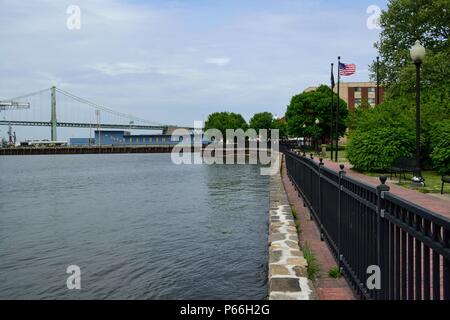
column 53, row 115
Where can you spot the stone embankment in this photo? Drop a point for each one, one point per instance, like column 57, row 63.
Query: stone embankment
column 287, row 266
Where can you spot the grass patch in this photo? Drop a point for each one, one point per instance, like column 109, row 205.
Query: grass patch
column 335, row 272
column 313, row 267
column 433, row 181
column 294, row 213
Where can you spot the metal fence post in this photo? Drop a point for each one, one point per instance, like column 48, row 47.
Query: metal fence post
column 382, row 241
column 341, row 174
column 322, row 238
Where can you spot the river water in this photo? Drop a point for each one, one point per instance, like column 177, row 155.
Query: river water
column 138, row 227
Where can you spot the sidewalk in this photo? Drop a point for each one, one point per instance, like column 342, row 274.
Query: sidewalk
column 326, row 288
column 432, row 203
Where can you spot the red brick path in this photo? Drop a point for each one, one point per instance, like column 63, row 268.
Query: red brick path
column 440, row 206
column 327, row 288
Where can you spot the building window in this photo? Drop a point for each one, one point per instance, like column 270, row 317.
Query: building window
column 357, row 102
column 131, row 140
column 156, row 140
column 372, row 90
column 163, row 139
column 358, row 89
column 371, row 102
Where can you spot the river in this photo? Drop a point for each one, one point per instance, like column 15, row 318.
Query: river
column 138, row 227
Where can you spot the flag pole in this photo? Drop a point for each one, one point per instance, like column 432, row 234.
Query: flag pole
column 332, row 110
column 378, row 83
column 337, row 109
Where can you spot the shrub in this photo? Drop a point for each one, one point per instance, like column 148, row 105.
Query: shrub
column 377, row 147
column 335, row 272
column 440, row 145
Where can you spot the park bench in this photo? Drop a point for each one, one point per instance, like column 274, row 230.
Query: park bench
column 402, row 166
column 445, row 179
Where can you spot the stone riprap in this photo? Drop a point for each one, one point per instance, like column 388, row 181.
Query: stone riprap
column 288, row 278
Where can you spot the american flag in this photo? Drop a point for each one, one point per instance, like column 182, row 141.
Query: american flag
column 346, row 69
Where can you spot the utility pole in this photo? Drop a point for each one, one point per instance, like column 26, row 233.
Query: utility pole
column 53, row 114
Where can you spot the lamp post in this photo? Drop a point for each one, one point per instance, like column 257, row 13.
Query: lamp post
column 304, row 136
column 417, row 55
column 317, row 122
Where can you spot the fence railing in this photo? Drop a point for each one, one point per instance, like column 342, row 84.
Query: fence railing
column 386, row 247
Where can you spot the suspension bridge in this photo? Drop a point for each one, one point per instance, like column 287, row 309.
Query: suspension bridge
column 54, row 107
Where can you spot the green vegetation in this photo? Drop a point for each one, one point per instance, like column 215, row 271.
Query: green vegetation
column 313, row 267
column 306, row 107
column 440, row 144
column 335, row 272
column 404, row 22
column 380, row 135
column 294, row 213
column 225, row 120
column 262, row 120
column 433, row 181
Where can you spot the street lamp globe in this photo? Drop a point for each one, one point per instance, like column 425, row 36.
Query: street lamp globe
column 317, row 121
column 417, row 52
column 304, row 125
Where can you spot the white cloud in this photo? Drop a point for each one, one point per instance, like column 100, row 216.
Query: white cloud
column 218, row 61
column 121, row 68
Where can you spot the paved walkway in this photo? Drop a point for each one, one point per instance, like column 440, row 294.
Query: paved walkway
column 326, row 288
column 436, row 204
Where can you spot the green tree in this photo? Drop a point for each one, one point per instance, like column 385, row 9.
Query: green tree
column 262, row 120
column 404, row 22
column 282, row 127
column 225, row 120
column 306, row 107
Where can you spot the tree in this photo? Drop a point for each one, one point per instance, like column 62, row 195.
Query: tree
column 306, row 107
column 404, row 22
column 225, row 120
column 262, row 120
column 380, row 135
column 280, row 124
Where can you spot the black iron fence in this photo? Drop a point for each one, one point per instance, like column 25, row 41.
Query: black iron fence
column 387, row 247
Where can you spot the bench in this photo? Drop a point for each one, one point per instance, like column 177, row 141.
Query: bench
column 445, row 179
column 402, row 166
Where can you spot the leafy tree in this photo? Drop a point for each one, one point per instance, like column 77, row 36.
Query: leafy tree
column 378, row 147
column 440, row 144
column 306, row 107
column 381, row 135
column 282, row 127
column 225, row 120
column 404, row 22
column 262, row 120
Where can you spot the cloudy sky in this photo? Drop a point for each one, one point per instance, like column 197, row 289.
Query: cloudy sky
column 174, row 62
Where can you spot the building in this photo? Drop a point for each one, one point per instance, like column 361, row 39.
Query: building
column 354, row 93
column 113, row 137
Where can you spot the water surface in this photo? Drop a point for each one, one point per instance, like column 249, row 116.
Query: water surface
column 138, row 226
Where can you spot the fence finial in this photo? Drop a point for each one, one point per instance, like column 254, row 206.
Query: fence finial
column 341, row 166
column 383, row 179
column 311, row 155
column 321, row 161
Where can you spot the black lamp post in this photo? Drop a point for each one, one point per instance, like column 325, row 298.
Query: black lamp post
column 417, row 55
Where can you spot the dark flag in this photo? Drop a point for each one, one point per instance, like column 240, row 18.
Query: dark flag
column 332, row 79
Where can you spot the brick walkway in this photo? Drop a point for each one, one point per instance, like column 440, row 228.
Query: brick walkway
column 327, row 288
column 435, row 204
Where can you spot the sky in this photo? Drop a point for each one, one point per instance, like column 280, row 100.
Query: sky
column 174, row 62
